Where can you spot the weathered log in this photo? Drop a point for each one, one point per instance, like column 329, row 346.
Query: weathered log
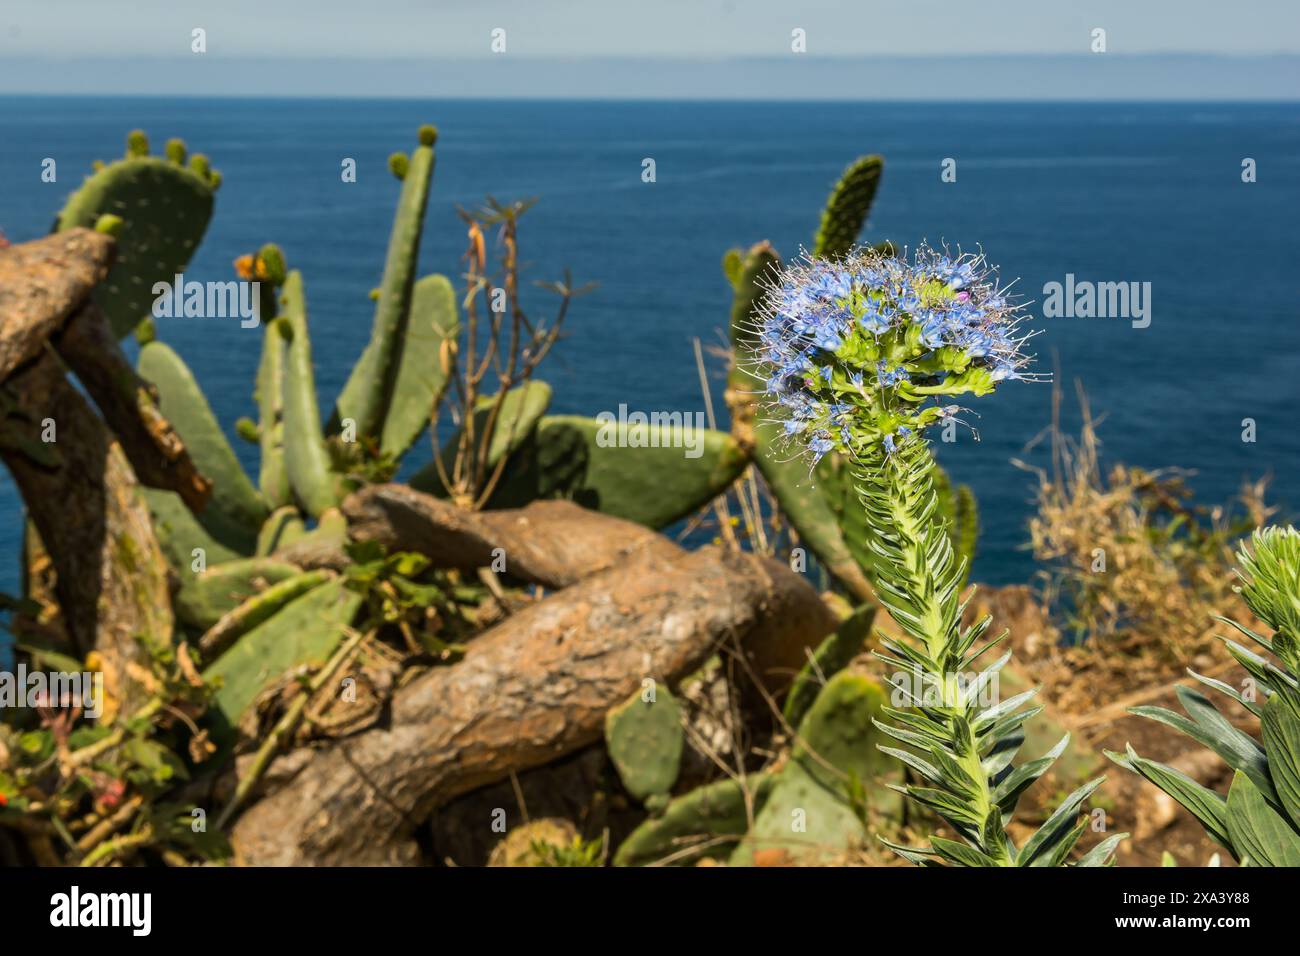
column 558, row 543
column 129, row 405
column 81, row 494
column 403, row 519
column 42, row 283
column 533, row 688
column 552, row 543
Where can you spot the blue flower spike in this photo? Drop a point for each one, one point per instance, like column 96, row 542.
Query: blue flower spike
column 860, row 355
column 861, row 352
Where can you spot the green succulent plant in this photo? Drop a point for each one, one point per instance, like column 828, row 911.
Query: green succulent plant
column 1258, row 820
column 821, row 799
column 241, row 602
column 160, row 209
column 644, row 738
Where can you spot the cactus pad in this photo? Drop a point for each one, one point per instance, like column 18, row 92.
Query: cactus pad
column 810, row 812
column 696, row 825
column 205, row 597
column 164, row 207
column 307, row 460
column 831, row 657
column 304, row 633
column 236, row 511
column 420, row 378
column 568, row 457
column 369, row 388
column 180, row 534
column 847, row 208
column 644, row 739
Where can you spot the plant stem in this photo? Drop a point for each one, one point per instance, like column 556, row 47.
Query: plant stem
column 918, row 567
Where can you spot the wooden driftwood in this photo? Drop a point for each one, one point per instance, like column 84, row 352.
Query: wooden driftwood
column 130, row 407
column 533, row 688
column 45, row 303
column 77, row 483
column 111, row 575
column 42, row 283
column 552, row 543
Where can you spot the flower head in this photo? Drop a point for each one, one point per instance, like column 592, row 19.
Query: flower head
column 860, row 353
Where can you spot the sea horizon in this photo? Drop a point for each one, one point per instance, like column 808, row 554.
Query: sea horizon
column 1115, row 76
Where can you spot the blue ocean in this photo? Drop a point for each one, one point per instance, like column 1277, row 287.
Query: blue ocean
column 1145, row 193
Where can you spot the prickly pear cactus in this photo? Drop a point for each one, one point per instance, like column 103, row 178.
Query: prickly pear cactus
column 421, row 372
column 818, row 801
column 813, row 501
column 707, row 822
column 185, row 543
column 164, row 206
column 262, row 606
column 236, row 511
column 303, row 633
column 846, row 210
column 273, row 478
column 644, row 477
column 831, row 657
column 206, row 596
column 366, row 395
column 282, row 528
column 644, row 740
column 833, row 481
column 307, row 459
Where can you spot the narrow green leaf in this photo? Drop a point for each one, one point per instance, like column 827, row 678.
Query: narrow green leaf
column 1207, row 806
column 1262, row 836
column 1281, row 728
column 960, row 854
column 1102, row 853
column 1237, row 749
column 1058, row 825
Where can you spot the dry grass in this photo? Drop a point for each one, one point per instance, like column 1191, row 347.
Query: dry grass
column 1132, row 570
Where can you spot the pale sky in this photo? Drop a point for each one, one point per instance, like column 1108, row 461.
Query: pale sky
column 590, row 47
column 602, row 28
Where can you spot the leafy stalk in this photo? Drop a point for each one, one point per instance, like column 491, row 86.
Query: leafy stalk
column 960, row 747
column 856, row 352
column 1259, row 820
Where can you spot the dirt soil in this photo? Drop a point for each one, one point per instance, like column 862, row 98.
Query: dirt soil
column 1089, row 692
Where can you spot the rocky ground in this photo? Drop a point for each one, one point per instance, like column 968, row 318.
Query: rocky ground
column 1088, row 695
